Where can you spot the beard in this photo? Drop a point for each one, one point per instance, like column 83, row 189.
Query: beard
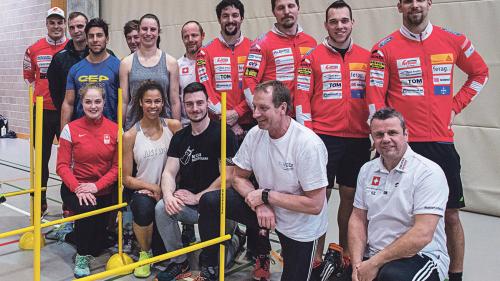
column 288, row 22
column 194, row 120
column 416, row 19
column 231, row 33
column 97, row 52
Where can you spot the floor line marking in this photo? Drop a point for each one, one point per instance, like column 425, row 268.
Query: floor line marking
column 16, row 209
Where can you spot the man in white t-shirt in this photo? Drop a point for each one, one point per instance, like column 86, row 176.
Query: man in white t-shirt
column 396, row 230
column 289, row 163
column 192, row 37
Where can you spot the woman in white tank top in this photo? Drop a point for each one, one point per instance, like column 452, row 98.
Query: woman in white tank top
column 146, row 145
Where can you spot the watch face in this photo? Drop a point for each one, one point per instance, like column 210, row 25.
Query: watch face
column 265, row 196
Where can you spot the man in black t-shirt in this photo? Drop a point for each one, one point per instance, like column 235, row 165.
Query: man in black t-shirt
column 193, row 157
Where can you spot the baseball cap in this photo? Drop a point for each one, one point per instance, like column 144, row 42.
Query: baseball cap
column 55, row 11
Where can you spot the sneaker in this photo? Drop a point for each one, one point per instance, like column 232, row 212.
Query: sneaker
column 145, row 270
column 60, row 232
column 261, row 269
column 188, row 236
column 128, row 242
column 174, row 271
column 82, row 268
column 333, row 262
column 235, row 247
column 43, row 209
column 242, row 238
column 208, row 273
column 317, row 270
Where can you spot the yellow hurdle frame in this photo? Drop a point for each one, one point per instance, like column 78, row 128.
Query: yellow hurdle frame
column 223, row 237
column 35, row 206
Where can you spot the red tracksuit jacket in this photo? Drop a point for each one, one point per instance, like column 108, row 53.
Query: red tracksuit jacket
column 88, row 153
column 330, row 93
column 275, row 56
column 220, row 68
column 413, row 73
column 36, row 62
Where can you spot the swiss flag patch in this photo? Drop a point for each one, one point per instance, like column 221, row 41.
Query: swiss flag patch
column 375, row 180
column 185, row 70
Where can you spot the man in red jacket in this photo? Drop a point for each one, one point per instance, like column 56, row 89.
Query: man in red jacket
column 219, row 66
column 411, row 70
column 36, row 62
column 276, row 54
column 330, row 99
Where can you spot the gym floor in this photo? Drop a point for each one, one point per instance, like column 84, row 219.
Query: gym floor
column 482, row 244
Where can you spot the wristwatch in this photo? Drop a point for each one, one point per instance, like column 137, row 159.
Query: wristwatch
column 265, row 196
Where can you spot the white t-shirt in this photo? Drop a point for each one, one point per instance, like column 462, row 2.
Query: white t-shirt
column 291, row 164
column 187, row 75
column 393, row 198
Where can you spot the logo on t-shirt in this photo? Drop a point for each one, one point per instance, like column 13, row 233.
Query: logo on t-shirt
column 375, row 180
column 286, row 165
column 187, row 155
column 107, row 139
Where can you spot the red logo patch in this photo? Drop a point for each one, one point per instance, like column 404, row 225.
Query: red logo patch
column 375, row 180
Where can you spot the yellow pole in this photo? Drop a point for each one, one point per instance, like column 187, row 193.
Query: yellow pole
column 169, row 255
column 63, row 220
column 119, row 259
column 32, row 139
column 222, row 259
column 120, row 171
column 38, row 192
column 15, row 193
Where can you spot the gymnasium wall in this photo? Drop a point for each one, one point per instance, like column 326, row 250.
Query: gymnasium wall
column 22, row 23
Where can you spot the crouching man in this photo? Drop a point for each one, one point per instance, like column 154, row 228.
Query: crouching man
column 193, row 158
column 396, row 230
column 289, row 163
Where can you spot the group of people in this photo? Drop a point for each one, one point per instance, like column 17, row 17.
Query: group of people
column 297, row 113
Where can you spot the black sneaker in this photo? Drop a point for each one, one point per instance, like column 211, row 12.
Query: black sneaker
column 208, row 273
column 332, row 263
column 188, row 236
column 174, row 271
column 235, row 248
column 242, row 237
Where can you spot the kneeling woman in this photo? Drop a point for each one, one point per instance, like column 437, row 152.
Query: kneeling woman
column 87, row 162
column 145, row 144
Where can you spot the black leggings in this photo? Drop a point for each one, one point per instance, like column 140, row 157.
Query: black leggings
column 143, row 212
column 143, row 208
column 50, row 129
column 89, row 233
column 299, row 256
column 237, row 210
